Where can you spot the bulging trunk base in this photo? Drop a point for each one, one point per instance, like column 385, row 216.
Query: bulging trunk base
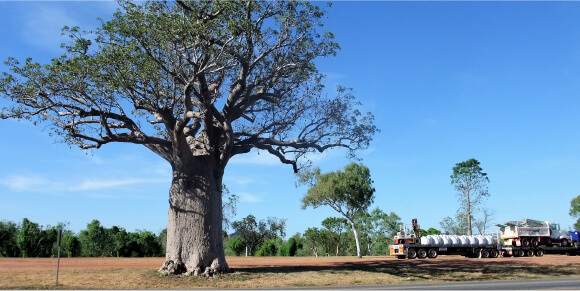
column 171, row 267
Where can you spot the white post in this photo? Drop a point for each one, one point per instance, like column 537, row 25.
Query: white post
column 58, row 260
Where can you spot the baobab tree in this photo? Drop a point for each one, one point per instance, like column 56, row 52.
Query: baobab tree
column 197, row 83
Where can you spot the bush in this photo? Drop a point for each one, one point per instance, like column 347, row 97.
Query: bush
column 235, row 246
column 268, row 249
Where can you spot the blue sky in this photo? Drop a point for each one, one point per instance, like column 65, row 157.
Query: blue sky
column 446, row 81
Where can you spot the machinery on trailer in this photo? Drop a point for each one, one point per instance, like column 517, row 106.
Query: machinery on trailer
column 533, row 233
column 406, row 235
column 531, row 237
column 412, row 245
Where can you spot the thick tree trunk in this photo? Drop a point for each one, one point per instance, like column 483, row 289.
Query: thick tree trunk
column 194, row 226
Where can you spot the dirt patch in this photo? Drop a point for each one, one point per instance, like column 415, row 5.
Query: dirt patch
column 42, row 264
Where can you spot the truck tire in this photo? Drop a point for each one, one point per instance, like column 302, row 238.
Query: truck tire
column 422, row 254
column 518, row 253
column 484, row 253
column 525, row 242
column 539, row 253
column 535, row 242
column 529, row 253
column 432, row 253
column 411, row 254
column 565, row 243
column 494, row 253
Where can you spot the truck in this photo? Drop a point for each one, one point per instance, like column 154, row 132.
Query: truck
column 533, row 233
column 411, row 245
column 531, row 237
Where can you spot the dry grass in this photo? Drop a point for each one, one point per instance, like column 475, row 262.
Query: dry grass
column 377, row 272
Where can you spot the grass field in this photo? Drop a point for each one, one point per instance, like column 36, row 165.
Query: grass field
column 141, row 273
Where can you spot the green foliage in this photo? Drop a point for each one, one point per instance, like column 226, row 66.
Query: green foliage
column 8, row 242
column 235, row 245
column 316, row 239
column 289, row 248
column 377, row 226
column 70, row 245
column 349, row 192
column 29, row 238
column 267, row 249
column 254, row 232
column 32, row 240
column 335, row 226
column 430, row 231
column 95, row 241
column 575, row 211
column 292, row 247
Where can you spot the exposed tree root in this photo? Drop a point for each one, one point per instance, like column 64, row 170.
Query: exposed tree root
column 171, row 267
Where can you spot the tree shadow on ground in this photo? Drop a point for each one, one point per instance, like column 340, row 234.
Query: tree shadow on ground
column 430, row 269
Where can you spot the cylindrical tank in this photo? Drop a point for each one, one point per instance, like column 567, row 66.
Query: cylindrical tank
column 455, row 240
column 446, row 239
column 463, row 240
column 426, row 240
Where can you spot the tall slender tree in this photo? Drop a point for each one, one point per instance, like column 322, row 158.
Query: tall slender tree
column 195, row 82
column 471, row 184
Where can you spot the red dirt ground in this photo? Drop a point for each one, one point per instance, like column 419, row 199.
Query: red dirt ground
column 41, row 264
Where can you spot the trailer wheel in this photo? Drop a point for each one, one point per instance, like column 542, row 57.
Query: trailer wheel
column 518, row 253
column 539, row 253
column 484, row 253
column 412, row 254
column 530, row 253
column 494, row 253
column 422, row 254
column 525, row 242
column 432, row 253
column 535, row 242
column 565, row 243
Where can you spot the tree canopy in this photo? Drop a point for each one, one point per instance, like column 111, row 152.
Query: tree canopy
column 195, row 82
column 158, row 70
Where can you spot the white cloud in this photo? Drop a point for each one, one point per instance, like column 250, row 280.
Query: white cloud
column 88, row 185
column 256, row 158
column 251, row 198
column 24, row 183
column 39, row 184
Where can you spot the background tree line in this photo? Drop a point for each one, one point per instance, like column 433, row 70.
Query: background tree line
column 29, row 239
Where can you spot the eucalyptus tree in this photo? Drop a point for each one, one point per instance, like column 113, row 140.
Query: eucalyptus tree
column 255, row 232
column 471, row 184
column 349, row 192
column 197, row 83
column 335, row 226
column 378, row 226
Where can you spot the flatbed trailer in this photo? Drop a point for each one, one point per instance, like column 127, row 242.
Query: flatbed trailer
column 539, row 251
column 529, row 251
column 422, row 251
